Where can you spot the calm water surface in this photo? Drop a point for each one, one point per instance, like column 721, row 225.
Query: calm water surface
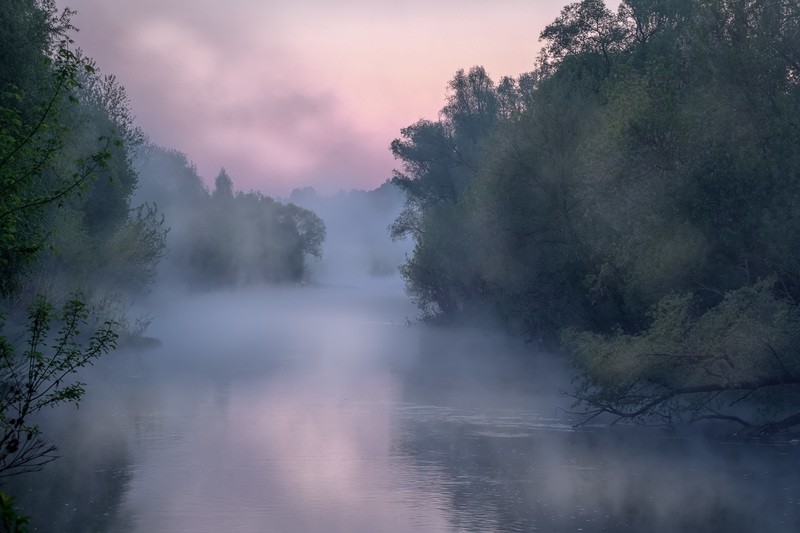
column 320, row 409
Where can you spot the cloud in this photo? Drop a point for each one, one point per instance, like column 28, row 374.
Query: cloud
column 286, row 94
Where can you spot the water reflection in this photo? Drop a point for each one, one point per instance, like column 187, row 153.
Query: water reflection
column 513, row 463
column 320, row 411
column 81, row 491
column 294, row 453
column 525, row 478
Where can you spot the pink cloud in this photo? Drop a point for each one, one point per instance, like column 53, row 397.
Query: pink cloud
column 287, row 94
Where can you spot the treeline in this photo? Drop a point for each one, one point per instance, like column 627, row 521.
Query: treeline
column 222, row 238
column 633, row 201
column 66, row 174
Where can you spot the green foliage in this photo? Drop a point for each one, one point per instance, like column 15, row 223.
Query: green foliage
column 691, row 365
column 587, row 28
column 32, row 174
column 66, row 177
column 38, row 374
column 10, row 520
column 653, row 153
column 134, row 251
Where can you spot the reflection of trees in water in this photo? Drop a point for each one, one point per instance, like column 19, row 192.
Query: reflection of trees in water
column 500, row 470
column 82, row 491
column 480, row 367
column 595, row 480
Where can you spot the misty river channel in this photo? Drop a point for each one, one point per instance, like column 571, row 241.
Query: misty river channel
column 328, row 409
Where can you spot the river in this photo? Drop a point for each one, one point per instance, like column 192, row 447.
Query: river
column 324, row 409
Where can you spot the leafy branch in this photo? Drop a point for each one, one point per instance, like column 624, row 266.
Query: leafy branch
column 39, row 377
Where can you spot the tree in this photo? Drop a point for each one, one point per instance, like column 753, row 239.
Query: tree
column 30, row 179
column 223, row 187
column 644, row 19
column 310, row 229
column 639, row 191
column 62, row 127
column 439, row 163
column 584, row 28
column 38, row 376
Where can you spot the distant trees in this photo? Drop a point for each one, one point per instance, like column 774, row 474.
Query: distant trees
column 355, row 249
column 310, row 229
column 226, row 238
column 223, row 187
column 625, row 201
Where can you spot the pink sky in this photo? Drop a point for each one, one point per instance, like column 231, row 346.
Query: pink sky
column 285, row 93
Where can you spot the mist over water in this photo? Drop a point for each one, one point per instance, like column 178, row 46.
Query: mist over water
column 322, row 409
column 357, row 247
column 327, row 406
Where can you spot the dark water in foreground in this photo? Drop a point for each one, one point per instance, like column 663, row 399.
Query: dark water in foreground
column 320, row 410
